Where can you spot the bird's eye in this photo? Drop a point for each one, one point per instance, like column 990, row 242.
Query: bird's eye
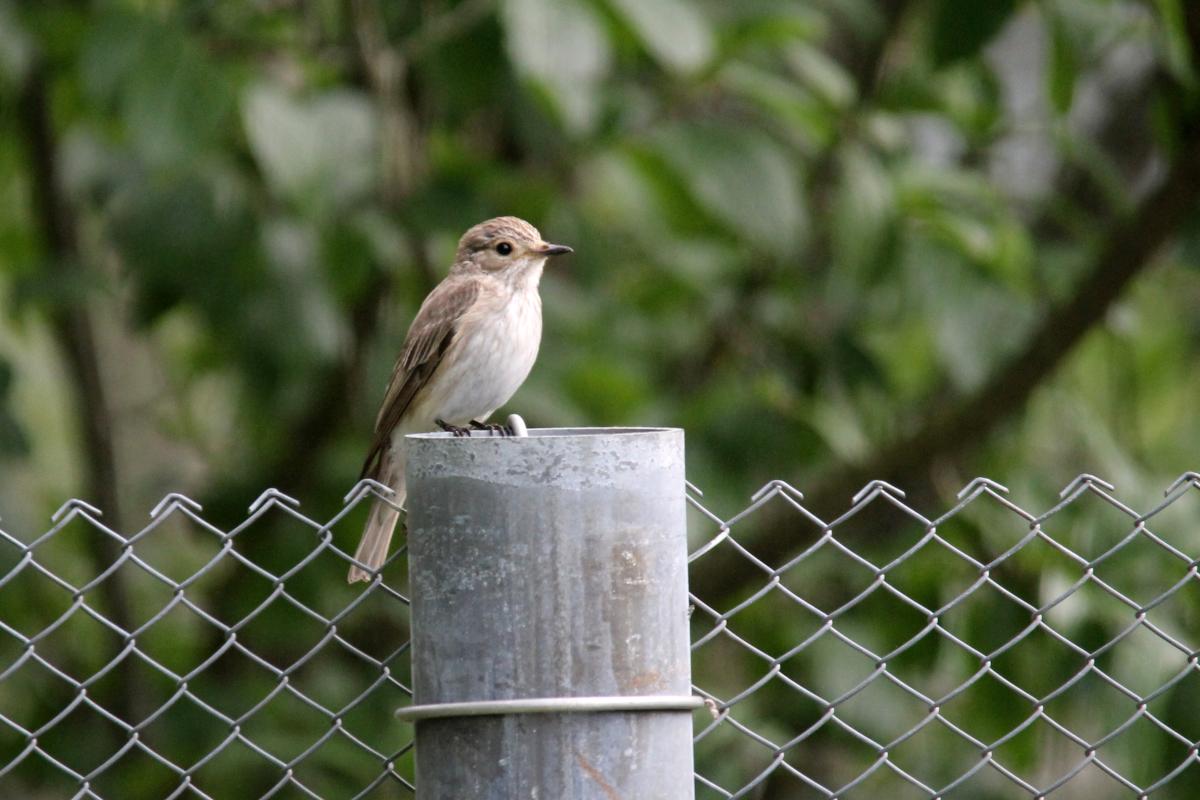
column 504, row 248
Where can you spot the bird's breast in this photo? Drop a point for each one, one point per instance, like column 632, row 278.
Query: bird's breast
column 494, row 353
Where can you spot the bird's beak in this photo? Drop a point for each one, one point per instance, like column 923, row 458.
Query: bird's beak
column 547, row 249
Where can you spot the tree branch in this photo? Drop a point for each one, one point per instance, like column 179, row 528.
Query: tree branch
column 387, row 71
column 953, row 430
column 956, row 428
column 74, row 334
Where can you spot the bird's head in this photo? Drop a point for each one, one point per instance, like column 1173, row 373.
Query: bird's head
column 507, row 246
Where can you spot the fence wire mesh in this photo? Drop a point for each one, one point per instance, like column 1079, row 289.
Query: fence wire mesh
column 988, row 652
column 195, row 662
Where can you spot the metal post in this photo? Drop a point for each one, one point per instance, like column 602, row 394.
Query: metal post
column 550, row 616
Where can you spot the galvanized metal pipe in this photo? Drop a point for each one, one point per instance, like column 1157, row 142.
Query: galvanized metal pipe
column 549, row 584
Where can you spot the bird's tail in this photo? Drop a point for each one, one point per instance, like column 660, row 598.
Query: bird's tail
column 373, row 547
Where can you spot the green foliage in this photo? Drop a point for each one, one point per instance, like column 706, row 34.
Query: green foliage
column 742, row 178
column 961, row 28
column 802, row 230
column 13, row 441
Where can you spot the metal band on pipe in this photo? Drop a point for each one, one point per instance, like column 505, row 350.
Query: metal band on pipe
column 551, row 705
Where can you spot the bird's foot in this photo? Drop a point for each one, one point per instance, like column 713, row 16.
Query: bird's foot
column 456, row 430
column 492, row 428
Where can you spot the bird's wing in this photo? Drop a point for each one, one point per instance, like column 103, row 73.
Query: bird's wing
column 431, row 334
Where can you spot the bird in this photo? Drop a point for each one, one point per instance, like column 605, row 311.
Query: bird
column 469, row 348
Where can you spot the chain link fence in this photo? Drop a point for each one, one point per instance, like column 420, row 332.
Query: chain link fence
column 990, row 652
column 187, row 661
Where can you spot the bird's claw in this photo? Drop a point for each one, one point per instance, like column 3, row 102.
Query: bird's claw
column 455, row 430
column 492, row 428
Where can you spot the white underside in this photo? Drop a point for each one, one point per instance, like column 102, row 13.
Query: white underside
column 492, row 354
column 488, row 362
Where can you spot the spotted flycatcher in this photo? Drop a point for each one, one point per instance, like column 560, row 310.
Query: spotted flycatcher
column 469, row 349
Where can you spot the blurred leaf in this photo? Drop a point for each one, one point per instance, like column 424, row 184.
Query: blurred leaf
column 562, row 47
column 968, row 95
column 1063, row 69
column 1179, row 57
column 800, row 115
column 13, row 441
column 905, row 347
column 172, row 97
column 963, row 210
column 741, row 177
column 864, row 212
column 822, row 75
column 863, row 18
column 961, row 28
column 617, row 194
column 182, row 246
column 319, row 150
column 15, row 48
column 625, row 198
column 292, row 250
column 1080, row 32
column 972, row 97
column 117, row 42
column 966, row 334
column 973, row 321
column 840, row 427
column 749, row 27
column 674, row 31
